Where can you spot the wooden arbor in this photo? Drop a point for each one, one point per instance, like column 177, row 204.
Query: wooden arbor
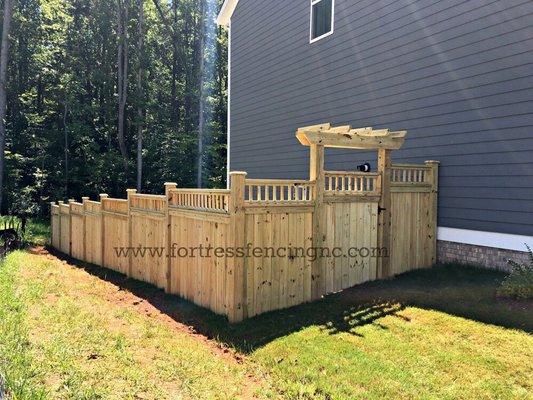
column 318, row 137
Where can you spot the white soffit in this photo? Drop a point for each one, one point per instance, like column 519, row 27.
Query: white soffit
column 224, row 16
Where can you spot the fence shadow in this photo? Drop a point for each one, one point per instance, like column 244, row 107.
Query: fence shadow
column 457, row 290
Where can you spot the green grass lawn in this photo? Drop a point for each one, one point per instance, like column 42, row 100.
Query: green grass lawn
column 65, row 334
column 82, row 332
column 37, row 230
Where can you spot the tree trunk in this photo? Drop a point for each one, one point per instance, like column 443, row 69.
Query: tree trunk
column 171, row 28
column 201, row 97
column 65, row 132
column 4, row 58
column 140, row 99
column 122, row 65
column 174, row 109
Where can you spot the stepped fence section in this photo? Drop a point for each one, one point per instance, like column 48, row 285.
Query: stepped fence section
column 263, row 244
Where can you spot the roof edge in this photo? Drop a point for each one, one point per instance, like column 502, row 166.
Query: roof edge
column 224, row 16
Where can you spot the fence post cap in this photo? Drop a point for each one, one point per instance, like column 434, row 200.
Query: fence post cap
column 131, row 190
column 238, row 173
column 52, row 203
column 71, row 200
column 432, row 162
column 168, row 187
column 104, row 195
column 84, row 198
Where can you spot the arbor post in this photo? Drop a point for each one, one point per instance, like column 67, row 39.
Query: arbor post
column 433, row 200
column 384, row 214
column 316, row 174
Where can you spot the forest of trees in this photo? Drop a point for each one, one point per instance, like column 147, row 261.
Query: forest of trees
column 102, row 95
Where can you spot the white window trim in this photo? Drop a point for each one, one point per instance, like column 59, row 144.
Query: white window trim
column 311, row 40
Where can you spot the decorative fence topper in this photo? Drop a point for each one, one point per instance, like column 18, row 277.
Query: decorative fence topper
column 266, row 244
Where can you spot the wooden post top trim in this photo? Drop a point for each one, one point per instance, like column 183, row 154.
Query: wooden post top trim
column 351, row 138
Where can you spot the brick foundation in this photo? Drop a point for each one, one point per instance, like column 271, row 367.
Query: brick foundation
column 487, row 257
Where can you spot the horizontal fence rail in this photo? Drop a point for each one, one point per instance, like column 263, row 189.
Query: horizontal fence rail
column 335, row 209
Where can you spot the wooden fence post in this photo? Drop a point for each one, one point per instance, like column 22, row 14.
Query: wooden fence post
column 52, row 204
column 102, row 226
column 130, row 235
column 84, row 201
column 70, row 201
column 316, row 174
column 59, row 242
column 384, row 214
column 434, row 180
column 168, row 187
column 237, row 308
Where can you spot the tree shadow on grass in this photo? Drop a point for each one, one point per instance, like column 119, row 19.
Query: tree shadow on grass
column 462, row 291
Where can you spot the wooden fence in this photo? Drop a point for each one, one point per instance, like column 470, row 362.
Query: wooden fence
column 267, row 243
column 256, row 214
column 413, row 216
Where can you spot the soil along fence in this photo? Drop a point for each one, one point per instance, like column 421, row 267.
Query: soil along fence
column 266, row 244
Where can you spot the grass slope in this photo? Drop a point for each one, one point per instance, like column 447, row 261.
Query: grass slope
column 71, row 332
column 63, row 335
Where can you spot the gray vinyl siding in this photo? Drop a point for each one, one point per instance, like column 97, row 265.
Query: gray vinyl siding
column 457, row 75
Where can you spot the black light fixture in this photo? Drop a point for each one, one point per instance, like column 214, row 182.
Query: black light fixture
column 364, row 167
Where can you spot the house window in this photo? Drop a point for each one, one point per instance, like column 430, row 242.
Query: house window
column 322, row 15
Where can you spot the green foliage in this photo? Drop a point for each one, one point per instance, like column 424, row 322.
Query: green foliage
column 37, row 230
column 23, row 204
column 61, row 139
column 519, row 283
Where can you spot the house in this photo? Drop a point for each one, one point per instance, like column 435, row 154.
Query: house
column 457, row 75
